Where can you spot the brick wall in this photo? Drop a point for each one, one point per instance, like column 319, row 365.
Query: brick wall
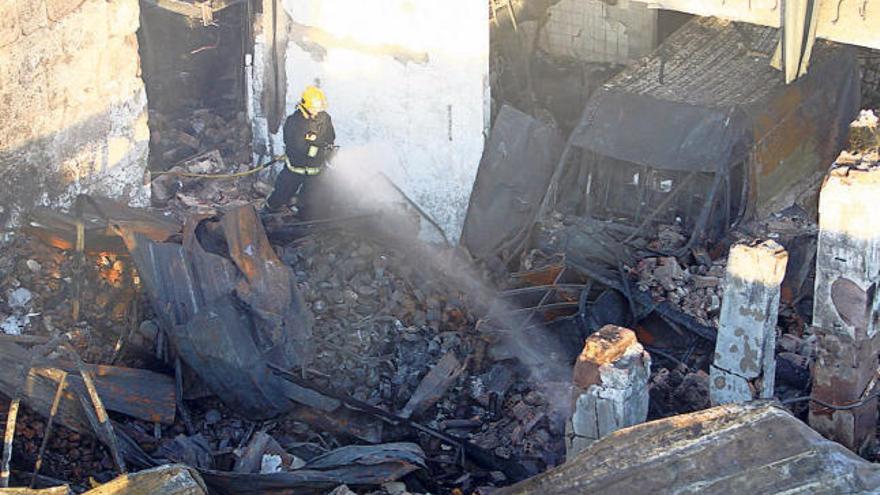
column 593, row 31
column 72, row 104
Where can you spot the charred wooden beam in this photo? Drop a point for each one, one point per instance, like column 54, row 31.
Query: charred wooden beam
column 752, row 448
column 353, row 464
column 172, row 479
column 203, row 11
column 47, row 433
column 105, row 222
column 142, row 394
column 512, row 469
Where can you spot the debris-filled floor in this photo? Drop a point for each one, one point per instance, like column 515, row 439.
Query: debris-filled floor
column 391, row 330
column 603, row 247
column 438, row 375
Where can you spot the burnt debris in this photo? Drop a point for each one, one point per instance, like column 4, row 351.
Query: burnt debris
column 654, row 289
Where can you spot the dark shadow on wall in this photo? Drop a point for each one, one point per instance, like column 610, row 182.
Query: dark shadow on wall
column 33, row 172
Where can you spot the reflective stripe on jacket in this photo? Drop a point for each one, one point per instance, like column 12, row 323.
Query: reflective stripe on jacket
column 301, row 170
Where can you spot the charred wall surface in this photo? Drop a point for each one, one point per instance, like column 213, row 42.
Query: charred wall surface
column 74, row 108
column 870, row 66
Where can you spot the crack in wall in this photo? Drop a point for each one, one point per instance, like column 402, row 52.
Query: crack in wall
column 756, row 384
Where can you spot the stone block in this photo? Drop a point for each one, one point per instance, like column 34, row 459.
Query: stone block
column 64, row 132
column 58, row 9
column 31, row 15
column 120, row 67
column 848, row 253
column 10, row 29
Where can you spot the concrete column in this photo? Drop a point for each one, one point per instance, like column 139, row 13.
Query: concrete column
column 745, row 362
column 845, row 308
column 610, row 387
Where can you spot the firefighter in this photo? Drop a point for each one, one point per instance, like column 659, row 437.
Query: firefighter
column 308, row 142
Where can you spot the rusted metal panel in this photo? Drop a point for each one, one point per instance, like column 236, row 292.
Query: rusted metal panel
column 269, row 289
column 229, row 318
column 669, row 138
column 137, row 393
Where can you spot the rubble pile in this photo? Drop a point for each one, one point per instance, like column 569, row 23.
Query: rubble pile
column 524, row 425
column 696, row 289
column 865, row 150
column 399, row 358
column 795, row 356
column 177, row 139
column 70, row 455
column 390, row 330
column 383, row 322
column 677, row 391
column 864, row 132
column 182, row 191
column 37, row 283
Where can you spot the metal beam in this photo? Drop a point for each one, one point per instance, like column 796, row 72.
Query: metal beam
column 846, row 21
column 203, row 11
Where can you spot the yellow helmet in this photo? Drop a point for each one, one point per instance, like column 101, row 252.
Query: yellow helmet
column 313, row 100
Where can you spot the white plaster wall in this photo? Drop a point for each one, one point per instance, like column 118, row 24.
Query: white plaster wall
column 256, row 77
column 421, row 122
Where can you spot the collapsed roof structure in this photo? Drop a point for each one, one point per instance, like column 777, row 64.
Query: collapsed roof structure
column 705, row 133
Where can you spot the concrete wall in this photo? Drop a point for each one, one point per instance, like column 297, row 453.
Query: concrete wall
column 72, row 105
column 593, row 31
column 407, row 84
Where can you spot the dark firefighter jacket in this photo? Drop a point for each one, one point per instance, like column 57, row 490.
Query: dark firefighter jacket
column 297, row 130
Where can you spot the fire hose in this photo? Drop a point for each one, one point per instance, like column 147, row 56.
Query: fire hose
column 235, row 175
column 278, row 159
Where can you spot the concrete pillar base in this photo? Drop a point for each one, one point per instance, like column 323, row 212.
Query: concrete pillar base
column 610, row 387
column 745, row 361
